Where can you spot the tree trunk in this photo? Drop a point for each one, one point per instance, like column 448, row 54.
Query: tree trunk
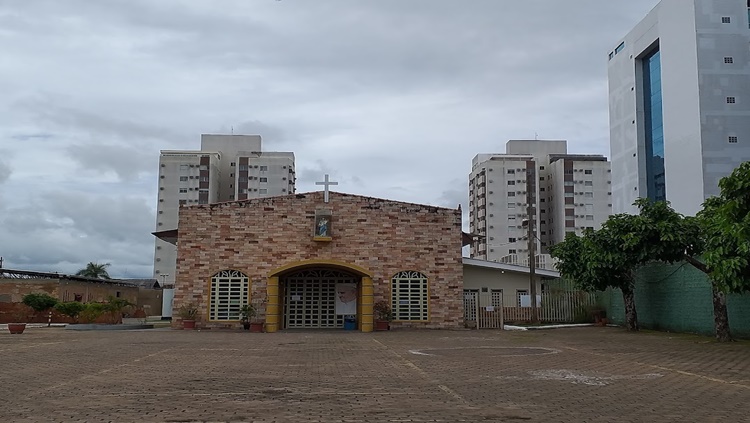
column 631, row 316
column 721, row 318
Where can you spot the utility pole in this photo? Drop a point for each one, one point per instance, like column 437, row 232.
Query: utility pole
column 531, row 180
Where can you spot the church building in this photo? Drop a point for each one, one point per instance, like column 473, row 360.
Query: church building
column 314, row 260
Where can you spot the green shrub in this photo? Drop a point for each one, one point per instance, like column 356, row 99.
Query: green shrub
column 39, row 302
column 71, row 309
column 91, row 312
column 115, row 306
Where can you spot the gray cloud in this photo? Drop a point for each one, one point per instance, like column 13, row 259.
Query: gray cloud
column 5, row 171
column 126, row 162
column 392, row 98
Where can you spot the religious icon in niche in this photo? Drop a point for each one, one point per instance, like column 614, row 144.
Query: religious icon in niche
column 322, row 226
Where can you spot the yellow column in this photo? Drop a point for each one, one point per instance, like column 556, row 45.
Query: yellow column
column 366, row 301
column 272, row 306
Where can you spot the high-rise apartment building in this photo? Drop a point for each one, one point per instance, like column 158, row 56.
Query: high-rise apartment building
column 569, row 193
column 679, row 102
column 226, row 168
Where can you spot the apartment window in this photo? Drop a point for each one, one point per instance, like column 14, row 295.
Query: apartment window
column 231, row 196
column 729, row 60
column 182, row 202
column 511, row 240
column 588, row 194
column 204, row 179
column 184, row 168
column 183, row 190
column 726, row 19
column 232, row 164
column 511, row 182
column 589, row 217
column 243, row 167
column 512, row 217
column 263, row 168
column 587, row 172
column 202, row 201
column 264, row 179
column 731, row 100
column 511, row 194
column 243, row 179
column 511, row 205
column 230, row 290
column 409, row 296
column 588, row 183
column 732, row 139
column 620, row 47
column 541, row 167
column 183, row 178
column 511, row 171
column 263, row 191
column 541, row 200
column 543, row 222
column 512, row 251
column 511, row 228
column 203, row 167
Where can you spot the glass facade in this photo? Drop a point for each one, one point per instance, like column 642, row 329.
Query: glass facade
column 652, row 100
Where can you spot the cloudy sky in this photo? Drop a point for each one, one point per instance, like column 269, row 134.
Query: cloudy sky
column 393, row 98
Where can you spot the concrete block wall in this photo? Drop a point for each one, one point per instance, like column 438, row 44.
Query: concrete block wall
column 677, row 298
column 385, row 237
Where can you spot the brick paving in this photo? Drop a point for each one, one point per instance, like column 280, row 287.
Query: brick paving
column 564, row 375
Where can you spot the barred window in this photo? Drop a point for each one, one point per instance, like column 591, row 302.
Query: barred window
column 409, row 299
column 229, row 292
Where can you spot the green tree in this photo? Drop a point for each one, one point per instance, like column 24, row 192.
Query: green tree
column 725, row 244
column 598, row 260
column 39, row 302
column 95, row 270
column 71, row 309
column 114, row 306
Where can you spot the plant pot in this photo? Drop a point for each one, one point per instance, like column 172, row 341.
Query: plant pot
column 16, row 328
column 256, row 327
column 246, row 325
column 381, row 325
column 188, row 324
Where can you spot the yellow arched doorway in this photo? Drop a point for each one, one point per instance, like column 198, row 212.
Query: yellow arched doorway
column 277, row 294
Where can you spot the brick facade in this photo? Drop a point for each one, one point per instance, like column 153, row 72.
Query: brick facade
column 382, row 236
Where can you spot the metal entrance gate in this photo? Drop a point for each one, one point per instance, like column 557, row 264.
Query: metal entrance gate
column 484, row 307
column 310, row 299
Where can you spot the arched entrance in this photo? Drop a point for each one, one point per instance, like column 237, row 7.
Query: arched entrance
column 318, row 294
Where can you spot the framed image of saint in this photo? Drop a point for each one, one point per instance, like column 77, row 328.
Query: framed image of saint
column 322, row 228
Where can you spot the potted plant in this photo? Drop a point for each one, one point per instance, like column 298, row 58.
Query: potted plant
column 188, row 312
column 247, row 312
column 383, row 315
column 21, row 315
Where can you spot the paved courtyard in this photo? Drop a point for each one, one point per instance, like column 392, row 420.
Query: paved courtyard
column 575, row 375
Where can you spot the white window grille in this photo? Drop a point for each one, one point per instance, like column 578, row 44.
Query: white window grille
column 229, row 292
column 409, row 296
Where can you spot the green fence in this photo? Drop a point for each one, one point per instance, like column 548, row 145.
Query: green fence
column 677, row 298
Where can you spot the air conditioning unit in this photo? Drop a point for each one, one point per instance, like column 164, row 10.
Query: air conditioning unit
column 491, row 181
column 492, row 227
column 490, row 169
column 490, row 192
column 492, row 238
column 492, row 204
column 492, row 215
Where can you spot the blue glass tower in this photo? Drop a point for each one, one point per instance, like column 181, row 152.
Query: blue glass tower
column 652, row 99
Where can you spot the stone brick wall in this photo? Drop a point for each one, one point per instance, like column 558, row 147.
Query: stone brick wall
column 677, row 298
column 382, row 236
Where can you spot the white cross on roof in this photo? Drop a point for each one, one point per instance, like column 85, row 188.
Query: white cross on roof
column 326, row 183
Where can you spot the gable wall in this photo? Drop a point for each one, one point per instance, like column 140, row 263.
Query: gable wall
column 384, row 237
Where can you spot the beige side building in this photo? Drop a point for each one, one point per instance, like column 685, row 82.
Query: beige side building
column 226, row 168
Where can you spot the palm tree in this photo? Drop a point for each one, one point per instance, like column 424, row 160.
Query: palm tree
column 95, row 270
